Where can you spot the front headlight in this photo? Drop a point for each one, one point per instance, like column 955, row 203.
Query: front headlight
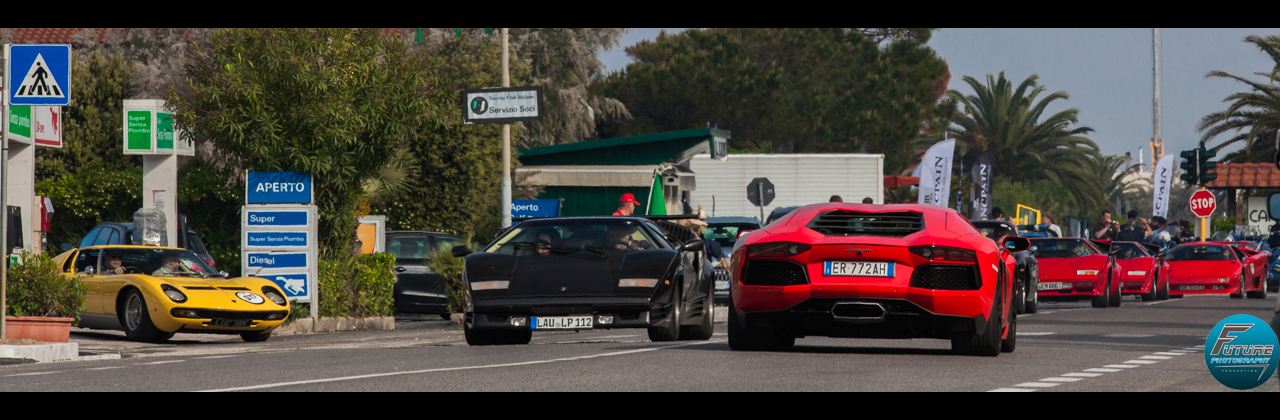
column 489, row 285
column 1137, row 273
column 1086, row 272
column 173, row 293
column 274, row 296
column 1223, row 280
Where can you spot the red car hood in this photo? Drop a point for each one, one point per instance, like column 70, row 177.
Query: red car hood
column 1136, row 264
column 1203, row 268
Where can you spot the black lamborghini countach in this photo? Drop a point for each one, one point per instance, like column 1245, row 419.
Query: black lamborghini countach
column 584, row 273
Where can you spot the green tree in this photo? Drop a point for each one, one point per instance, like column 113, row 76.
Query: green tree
column 92, row 121
column 784, row 90
column 336, row 103
column 1253, row 115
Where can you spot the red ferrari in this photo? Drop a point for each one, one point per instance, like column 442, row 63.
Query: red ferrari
column 1216, row 268
column 873, row 271
column 1074, row 269
column 1140, row 269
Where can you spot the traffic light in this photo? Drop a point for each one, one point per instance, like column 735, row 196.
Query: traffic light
column 1189, row 167
column 1208, row 170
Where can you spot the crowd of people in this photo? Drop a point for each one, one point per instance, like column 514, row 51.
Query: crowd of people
column 1157, row 231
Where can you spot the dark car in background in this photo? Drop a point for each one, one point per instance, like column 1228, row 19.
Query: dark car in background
column 726, row 231
column 112, row 233
column 1028, row 271
column 418, row 289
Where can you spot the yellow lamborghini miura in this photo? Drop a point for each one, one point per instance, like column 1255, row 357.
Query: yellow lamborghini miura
column 152, row 292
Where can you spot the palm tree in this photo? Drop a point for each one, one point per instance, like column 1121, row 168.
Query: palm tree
column 1008, row 120
column 1253, row 115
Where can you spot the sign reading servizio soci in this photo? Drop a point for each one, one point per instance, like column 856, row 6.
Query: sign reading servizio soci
column 502, row 105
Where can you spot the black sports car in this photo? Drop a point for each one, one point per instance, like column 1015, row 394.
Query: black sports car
column 1028, row 268
column 588, row 273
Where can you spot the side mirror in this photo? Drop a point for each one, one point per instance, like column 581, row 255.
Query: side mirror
column 224, row 274
column 695, row 245
column 67, row 246
column 1015, row 244
column 460, row 251
column 1033, row 250
column 88, row 271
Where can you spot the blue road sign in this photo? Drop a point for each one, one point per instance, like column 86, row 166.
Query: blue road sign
column 265, row 260
column 39, row 74
column 528, row 209
column 277, row 238
column 294, row 285
column 278, row 188
column 277, row 218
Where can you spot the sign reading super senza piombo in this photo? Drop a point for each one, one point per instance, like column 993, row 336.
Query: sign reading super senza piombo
column 278, row 188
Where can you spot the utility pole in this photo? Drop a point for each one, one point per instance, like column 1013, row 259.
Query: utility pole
column 506, row 143
column 1157, row 143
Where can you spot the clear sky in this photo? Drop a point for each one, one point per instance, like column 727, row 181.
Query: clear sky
column 1107, row 73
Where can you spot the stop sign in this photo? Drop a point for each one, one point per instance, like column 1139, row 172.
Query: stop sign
column 1203, row 203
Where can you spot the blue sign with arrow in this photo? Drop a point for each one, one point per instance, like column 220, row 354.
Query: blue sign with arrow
column 38, row 74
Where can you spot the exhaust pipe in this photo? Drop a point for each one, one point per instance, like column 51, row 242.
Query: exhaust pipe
column 859, row 312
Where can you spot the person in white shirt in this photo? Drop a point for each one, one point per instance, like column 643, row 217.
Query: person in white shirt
column 1048, row 218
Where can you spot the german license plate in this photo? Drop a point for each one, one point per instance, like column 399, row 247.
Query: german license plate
column 1053, row 286
column 562, row 322
column 1194, row 287
column 232, row 323
column 857, row 269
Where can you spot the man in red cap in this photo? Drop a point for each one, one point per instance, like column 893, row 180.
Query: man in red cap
column 627, row 206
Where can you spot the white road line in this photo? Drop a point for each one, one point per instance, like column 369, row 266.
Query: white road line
column 1158, row 302
column 1129, row 335
column 1060, row 379
column 534, row 362
column 1082, row 375
column 1169, row 353
column 1034, row 333
column 1121, row 366
column 1012, row 390
column 1103, row 370
column 106, row 367
column 34, row 373
column 219, row 357
column 1183, row 351
column 1037, row 384
column 1156, row 357
column 1141, row 362
column 163, row 362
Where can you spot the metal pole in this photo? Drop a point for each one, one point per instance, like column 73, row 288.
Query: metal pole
column 506, row 143
column 4, row 193
column 760, row 190
column 1157, row 146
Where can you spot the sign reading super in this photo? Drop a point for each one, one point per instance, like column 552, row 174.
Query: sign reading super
column 278, row 188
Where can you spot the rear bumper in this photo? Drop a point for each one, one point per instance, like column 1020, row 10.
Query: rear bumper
column 962, row 303
column 626, row 312
column 1073, row 293
column 1136, row 285
column 862, row 318
column 1207, row 286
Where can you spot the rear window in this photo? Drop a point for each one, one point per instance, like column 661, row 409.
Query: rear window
column 1200, row 253
column 1128, row 251
column 1062, row 248
column 409, row 247
column 195, row 244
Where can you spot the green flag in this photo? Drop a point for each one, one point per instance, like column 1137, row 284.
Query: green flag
column 657, row 201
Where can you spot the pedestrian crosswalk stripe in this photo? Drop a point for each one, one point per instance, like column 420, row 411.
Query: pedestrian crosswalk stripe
column 1140, row 362
column 1156, row 357
column 39, row 82
column 1058, row 379
column 1121, row 366
column 1012, row 390
column 1037, row 384
column 1103, row 370
column 1170, row 353
column 1083, row 375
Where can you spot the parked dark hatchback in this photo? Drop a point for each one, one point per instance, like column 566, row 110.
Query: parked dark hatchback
column 419, row 290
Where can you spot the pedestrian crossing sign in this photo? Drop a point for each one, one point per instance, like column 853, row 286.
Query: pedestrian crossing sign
column 38, row 74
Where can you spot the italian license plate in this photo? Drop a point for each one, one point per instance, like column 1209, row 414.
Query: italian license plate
column 1053, row 286
column 1194, row 287
column 562, row 322
column 857, row 269
column 233, row 323
column 722, row 285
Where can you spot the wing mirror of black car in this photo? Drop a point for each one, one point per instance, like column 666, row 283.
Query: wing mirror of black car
column 67, row 246
column 695, row 245
column 460, row 251
column 1033, row 250
column 1015, row 244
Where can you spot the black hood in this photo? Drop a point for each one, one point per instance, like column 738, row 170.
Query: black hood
column 568, row 275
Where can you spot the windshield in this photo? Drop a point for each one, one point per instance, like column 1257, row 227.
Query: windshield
column 1061, row 248
column 1200, row 253
column 726, row 235
column 994, row 231
column 154, row 262
column 1128, row 250
column 589, row 237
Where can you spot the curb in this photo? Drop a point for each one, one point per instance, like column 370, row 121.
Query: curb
column 43, row 353
column 334, row 324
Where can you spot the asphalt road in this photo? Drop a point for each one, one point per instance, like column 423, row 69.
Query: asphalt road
column 1141, row 346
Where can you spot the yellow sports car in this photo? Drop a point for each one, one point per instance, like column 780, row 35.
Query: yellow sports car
column 152, row 292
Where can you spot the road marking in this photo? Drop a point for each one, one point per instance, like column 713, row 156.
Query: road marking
column 1157, row 357
column 1037, row 384
column 1012, row 390
column 106, row 367
column 34, row 373
column 1141, row 362
column 1129, row 335
column 1034, row 333
column 534, row 362
column 1121, row 366
column 219, row 357
column 1103, row 370
column 618, row 336
column 1060, row 379
column 1171, row 353
column 1082, row 375
column 163, row 362
column 1157, row 302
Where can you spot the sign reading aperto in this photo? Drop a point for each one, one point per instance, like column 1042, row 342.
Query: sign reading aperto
column 278, row 188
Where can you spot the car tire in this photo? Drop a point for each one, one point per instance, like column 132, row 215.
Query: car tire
column 255, row 337
column 1033, row 298
column 1261, row 293
column 1163, row 294
column 1010, row 342
column 985, row 343
column 1102, row 300
column 1020, row 298
column 671, row 332
column 1239, row 295
column 162, row 336
column 742, row 338
column 475, row 337
column 704, row 329
column 446, row 317
column 136, row 320
column 1115, row 298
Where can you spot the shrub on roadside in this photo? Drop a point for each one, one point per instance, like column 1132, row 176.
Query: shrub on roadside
column 449, row 267
column 357, row 286
column 297, row 311
column 37, row 287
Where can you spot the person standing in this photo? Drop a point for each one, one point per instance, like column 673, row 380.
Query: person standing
column 1109, row 227
column 836, row 199
column 1048, row 218
column 1132, row 231
column 627, row 205
column 868, row 200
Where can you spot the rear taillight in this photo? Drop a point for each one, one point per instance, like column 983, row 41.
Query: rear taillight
column 211, row 264
column 776, row 249
column 945, row 254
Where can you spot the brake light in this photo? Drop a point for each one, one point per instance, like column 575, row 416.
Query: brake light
column 211, row 264
column 776, row 249
column 945, row 254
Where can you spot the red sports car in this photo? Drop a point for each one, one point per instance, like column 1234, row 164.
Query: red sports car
column 1074, row 269
column 1140, row 269
column 1215, row 268
column 873, row 271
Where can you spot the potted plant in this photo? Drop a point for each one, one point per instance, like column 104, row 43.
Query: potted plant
column 43, row 303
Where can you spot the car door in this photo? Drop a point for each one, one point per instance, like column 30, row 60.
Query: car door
column 84, row 259
column 413, row 278
column 1257, row 262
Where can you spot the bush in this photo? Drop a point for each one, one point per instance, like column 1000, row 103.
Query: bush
column 297, row 311
column 448, row 266
column 37, row 287
column 357, row 286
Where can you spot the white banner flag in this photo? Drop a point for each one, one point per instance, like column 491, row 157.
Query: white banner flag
column 935, row 174
column 1162, row 181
